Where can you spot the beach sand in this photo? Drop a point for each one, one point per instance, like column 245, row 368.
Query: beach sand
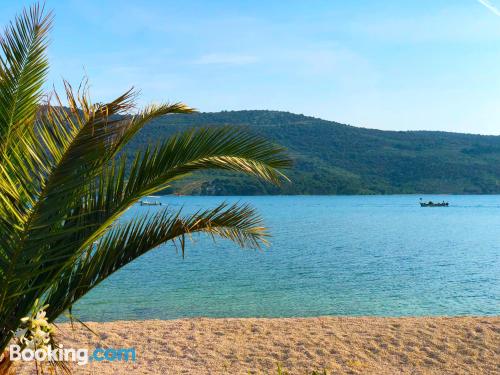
column 339, row 345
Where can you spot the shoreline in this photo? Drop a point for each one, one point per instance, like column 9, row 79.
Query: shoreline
column 202, row 317
column 356, row 345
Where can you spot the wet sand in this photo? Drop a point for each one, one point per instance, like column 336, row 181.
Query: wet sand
column 339, row 345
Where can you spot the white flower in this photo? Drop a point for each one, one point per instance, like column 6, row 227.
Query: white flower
column 41, row 337
column 35, row 332
column 41, row 315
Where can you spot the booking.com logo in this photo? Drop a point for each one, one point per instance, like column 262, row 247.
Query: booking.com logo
column 79, row 356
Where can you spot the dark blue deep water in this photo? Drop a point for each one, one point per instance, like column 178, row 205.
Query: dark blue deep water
column 330, row 255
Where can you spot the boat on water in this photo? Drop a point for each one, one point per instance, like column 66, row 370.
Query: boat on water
column 149, row 202
column 146, row 203
column 433, row 204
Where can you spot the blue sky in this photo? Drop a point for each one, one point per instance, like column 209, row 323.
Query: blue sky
column 422, row 64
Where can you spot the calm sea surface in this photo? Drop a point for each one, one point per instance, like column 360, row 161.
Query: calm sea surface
column 355, row 255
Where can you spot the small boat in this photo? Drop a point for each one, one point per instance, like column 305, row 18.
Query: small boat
column 150, row 203
column 147, row 203
column 433, row 204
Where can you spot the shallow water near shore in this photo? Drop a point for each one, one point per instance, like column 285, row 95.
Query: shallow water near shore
column 330, row 255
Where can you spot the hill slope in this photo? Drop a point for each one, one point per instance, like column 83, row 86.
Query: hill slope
column 331, row 158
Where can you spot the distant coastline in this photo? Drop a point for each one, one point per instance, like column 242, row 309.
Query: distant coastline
column 336, row 159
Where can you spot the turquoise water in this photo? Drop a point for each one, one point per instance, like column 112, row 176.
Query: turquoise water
column 334, row 255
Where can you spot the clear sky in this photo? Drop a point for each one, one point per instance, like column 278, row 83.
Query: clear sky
column 421, row 64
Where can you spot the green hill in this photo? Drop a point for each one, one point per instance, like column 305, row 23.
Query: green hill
column 332, row 158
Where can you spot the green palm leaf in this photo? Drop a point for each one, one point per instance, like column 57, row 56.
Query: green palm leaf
column 127, row 242
column 64, row 182
column 23, row 69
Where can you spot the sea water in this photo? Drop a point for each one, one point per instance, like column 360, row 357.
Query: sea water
column 329, row 255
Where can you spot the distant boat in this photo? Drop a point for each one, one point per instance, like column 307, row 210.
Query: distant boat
column 150, row 203
column 147, row 203
column 433, row 204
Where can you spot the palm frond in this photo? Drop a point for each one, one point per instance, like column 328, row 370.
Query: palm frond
column 110, row 195
column 127, row 242
column 23, row 69
column 156, row 168
column 73, row 146
column 146, row 115
column 226, row 148
column 105, row 198
column 49, row 167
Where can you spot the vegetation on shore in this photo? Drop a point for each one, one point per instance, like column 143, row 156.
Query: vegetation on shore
column 331, row 158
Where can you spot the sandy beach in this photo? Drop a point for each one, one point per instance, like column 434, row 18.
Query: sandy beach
column 339, row 345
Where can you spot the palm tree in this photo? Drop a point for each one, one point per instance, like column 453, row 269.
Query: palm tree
column 64, row 183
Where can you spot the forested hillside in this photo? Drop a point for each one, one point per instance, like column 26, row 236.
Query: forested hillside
column 331, row 158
